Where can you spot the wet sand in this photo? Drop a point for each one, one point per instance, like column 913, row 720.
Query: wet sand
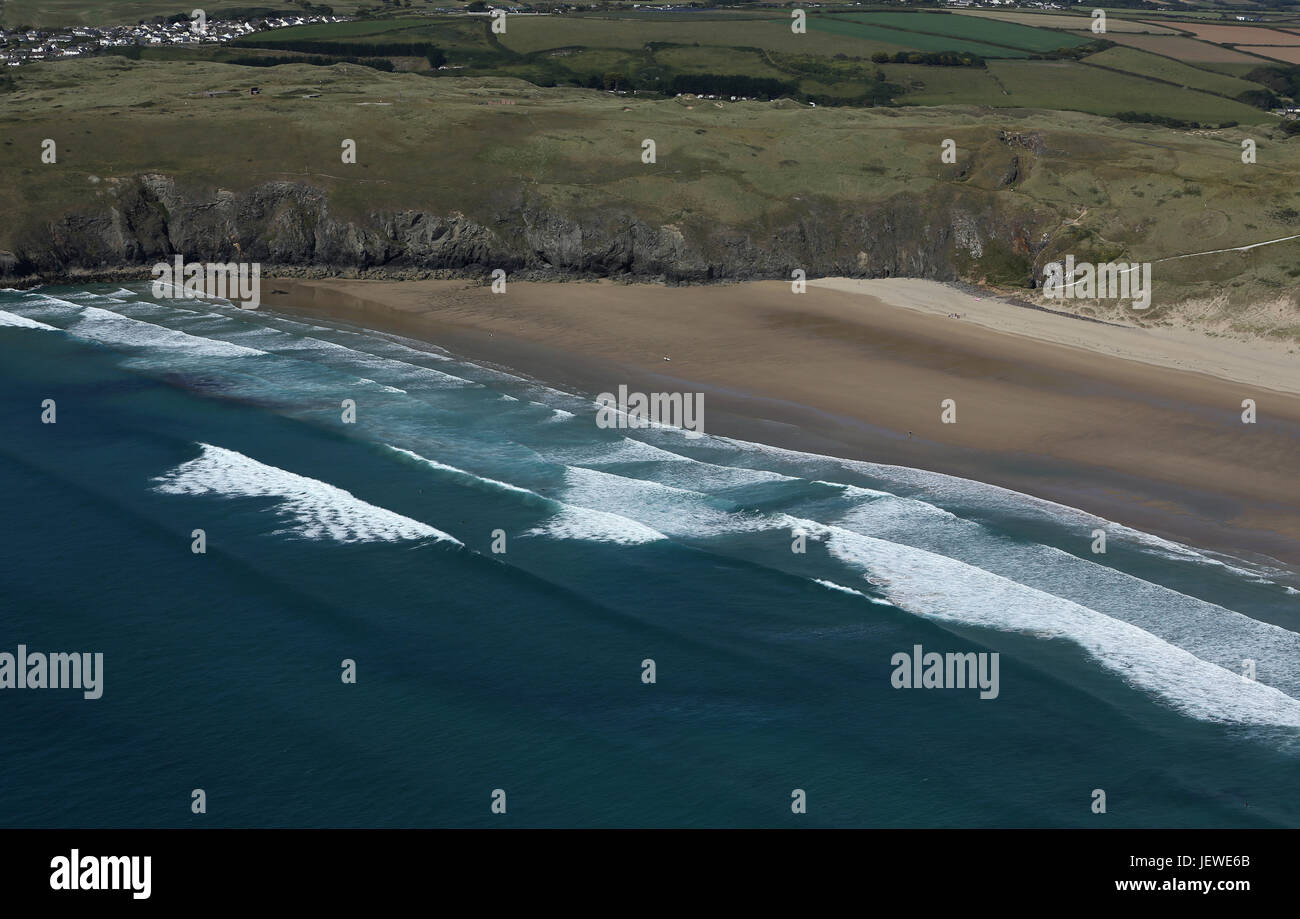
column 1110, row 420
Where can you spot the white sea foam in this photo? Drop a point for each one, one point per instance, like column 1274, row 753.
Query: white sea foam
column 709, row 477
column 885, row 515
column 43, row 306
column 565, row 522
column 854, row 491
column 169, row 290
column 664, row 508
column 942, row 588
column 613, row 452
column 107, row 327
column 400, row 344
column 167, row 313
column 673, row 470
column 263, row 333
column 994, row 498
column 461, row 475
column 924, row 558
column 831, row 585
column 308, row 348
column 12, row 320
column 382, row 387
column 1209, row 631
column 598, row 526
column 315, row 510
column 934, row 585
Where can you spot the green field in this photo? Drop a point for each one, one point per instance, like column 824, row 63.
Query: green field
column 1063, row 85
column 867, row 32
column 553, row 50
column 1153, row 65
column 442, row 145
column 528, row 34
column 620, row 50
column 446, row 31
column 1067, row 84
column 947, row 85
column 984, row 31
column 1232, row 68
column 716, row 60
column 474, row 138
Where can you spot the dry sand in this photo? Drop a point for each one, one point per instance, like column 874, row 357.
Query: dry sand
column 1268, row 364
column 1112, row 420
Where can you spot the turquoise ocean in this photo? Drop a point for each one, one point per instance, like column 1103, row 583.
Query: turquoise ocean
column 522, row 670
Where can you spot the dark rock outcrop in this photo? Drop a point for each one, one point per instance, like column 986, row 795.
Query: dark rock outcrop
column 289, row 229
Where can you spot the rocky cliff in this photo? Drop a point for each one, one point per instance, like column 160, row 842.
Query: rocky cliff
column 289, row 228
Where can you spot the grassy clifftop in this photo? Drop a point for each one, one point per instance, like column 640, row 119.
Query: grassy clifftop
column 737, row 189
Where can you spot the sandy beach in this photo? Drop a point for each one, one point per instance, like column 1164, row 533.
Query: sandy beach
column 1143, row 427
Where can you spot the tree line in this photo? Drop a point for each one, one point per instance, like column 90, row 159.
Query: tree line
column 929, row 58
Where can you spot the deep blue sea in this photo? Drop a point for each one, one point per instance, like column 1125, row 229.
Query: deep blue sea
column 523, row 670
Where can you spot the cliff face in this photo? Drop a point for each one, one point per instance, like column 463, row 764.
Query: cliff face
column 289, row 229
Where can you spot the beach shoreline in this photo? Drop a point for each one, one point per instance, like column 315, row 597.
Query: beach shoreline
column 1123, row 423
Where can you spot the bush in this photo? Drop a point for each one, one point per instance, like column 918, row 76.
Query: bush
column 1280, row 79
column 1148, row 118
column 930, row 58
column 1260, row 98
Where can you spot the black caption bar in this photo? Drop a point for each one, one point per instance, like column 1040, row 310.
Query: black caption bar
column 136, row 868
